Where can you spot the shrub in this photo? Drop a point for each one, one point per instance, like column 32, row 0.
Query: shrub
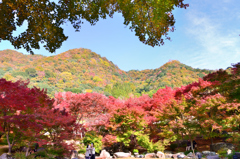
column 109, row 140
column 19, row 73
column 173, row 146
column 222, row 152
column 56, row 151
column 41, row 154
column 31, row 72
column 92, row 137
column 19, row 155
column 230, row 156
column 82, row 151
column 143, row 140
column 187, row 152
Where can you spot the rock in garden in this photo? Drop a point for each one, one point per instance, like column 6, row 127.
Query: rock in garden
column 122, row 155
column 104, row 154
column 168, row 152
column 140, row 156
column 181, row 155
column 208, row 153
column 175, row 156
column 136, row 154
column 81, row 156
column 190, row 154
column 199, row 155
column 160, row 155
column 168, row 155
column 221, row 145
column 150, row 155
column 213, row 157
column 4, row 156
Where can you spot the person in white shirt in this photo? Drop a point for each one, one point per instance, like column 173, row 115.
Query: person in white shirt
column 88, row 152
column 92, row 151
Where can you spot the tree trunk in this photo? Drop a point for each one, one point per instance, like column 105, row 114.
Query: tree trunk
column 194, row 156
column 9, row 144
column 1, row 134
column 211, row 140
column 27, row 149
column 192, row 149
column 10, row 149
column 121, row 147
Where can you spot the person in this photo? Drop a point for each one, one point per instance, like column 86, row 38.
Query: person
column 194, row 144
column 92, row 151
column 188, row 145
column 88, row 152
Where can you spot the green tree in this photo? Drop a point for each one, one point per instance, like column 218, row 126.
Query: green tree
column 2, row 72
column 92, row 137
column 49, row 74
column 19, row 73
column 31, row 72
column 120, row 89
column 151, row 20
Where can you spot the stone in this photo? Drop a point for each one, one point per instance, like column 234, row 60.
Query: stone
column 221, row 145
column 160, row 155
column 136, row 154
column 178, row 155
column 205, row 153
column 81, row 156
column 199, row 155
column 213, row 157
column 168, row 155
column 208, row 153
column 190, row 154
column 229, row 152
column 150, row 155
column 122, row 155
column 140, row 156
column 175, row 156
column 104, row 154
column 4, row 156
column 168, row 152
column 181, row 155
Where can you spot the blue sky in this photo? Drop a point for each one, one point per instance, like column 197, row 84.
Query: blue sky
column 206, row 36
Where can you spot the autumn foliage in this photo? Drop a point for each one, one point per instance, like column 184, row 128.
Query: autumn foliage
column 81, row 70
column 28, row 113
column 206, row 107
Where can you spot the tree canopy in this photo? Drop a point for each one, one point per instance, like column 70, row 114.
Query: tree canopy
column 151, row 20
column 207, row 108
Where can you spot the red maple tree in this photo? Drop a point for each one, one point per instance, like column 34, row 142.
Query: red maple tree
column 18, row 105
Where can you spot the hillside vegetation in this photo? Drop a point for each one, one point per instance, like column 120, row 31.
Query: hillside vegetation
column 81, row 70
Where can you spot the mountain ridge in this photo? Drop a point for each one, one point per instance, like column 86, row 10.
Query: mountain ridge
column 81, row 70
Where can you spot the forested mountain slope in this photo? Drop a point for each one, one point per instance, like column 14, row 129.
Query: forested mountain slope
column 172, row 74
column 81, row 70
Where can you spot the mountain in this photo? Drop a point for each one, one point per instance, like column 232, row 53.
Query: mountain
column 172, row 74
column 81, row 70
